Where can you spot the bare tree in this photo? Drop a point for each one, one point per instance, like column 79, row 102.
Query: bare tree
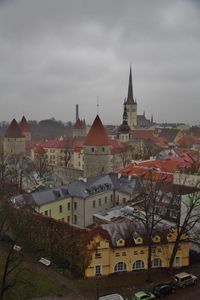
column 11, row 271
column 67, row 154
column 150, row 195
column 41, row 165
column 126, row 154
column 188, row 219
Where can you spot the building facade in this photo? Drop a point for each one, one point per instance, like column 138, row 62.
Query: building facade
column 115, row 248
column 77, row 202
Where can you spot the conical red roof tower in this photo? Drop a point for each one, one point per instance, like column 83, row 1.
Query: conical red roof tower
column 97, row 136
column 13, row 130
column 24, row 125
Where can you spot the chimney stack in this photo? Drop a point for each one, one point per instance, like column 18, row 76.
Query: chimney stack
column 77, row 114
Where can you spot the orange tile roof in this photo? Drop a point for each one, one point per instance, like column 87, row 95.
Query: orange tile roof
column 156, row 168
column 97, row 135
column 24, row 125
column 13, row 130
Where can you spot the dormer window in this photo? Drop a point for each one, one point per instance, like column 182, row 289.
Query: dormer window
column 120, row 243
column 156, row 239
column 138, row 240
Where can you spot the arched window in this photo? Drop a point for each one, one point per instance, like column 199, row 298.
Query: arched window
column 120, row 267
column 156, row 263
column 138, row 265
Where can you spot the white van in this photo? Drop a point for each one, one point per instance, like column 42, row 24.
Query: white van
column 112, row 297
column 183, row 279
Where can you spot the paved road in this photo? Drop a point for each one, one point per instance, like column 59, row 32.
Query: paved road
column 189, row 293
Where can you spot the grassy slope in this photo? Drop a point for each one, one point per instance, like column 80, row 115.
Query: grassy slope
column 37, row 283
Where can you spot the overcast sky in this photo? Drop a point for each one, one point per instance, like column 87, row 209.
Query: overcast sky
column 56, row 53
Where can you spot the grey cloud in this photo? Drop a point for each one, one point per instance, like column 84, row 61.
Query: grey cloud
column 55, row 53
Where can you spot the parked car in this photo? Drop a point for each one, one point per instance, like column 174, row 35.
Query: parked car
column 143, row 296
column 183, row 279
column 163, row 289
column 112, row 297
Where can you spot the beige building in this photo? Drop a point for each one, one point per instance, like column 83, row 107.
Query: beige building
column 77, row 202
column 121, row 247
column 78, row 157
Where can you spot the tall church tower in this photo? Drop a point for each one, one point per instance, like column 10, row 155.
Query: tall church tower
column 131, row 105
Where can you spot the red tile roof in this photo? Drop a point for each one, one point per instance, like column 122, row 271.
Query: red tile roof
column 142, row 134
column 39, row 149
column 117, row 146
column 80, row 124
column 97, row 135
column 156, row 168
column 13, row 130
column 24, row 125
column 188, row 141
column 76, row 144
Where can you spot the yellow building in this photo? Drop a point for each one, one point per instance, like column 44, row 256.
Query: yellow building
column 122, row 247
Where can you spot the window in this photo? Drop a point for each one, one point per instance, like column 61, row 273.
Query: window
column 75, row 219
column 92, row 149
column 156, row 263
column 94, row 203
column 68, row 219
column 117, row 254
column 68, row 205
column 105, row 199
column 123, row 253
column 111, row 198
column 98, row 255
column 135, row 252
column 100, row 202
column 142, row 252
column 46, row 212
column 120, row 267
column 60, row 209
column 75, row 205
column 179, row 247
column 98, row 270
column 138, row 265
column 103, row 149
column 177, row 261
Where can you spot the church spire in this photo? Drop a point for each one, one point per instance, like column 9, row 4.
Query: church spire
column 130, row 99
column 125, row 115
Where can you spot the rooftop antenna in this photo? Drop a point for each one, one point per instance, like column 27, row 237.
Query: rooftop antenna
column 97, row 105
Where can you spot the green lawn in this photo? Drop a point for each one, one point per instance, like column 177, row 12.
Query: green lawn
column 34, row 283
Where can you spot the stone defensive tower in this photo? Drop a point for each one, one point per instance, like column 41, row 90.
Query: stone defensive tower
column 97, row 150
